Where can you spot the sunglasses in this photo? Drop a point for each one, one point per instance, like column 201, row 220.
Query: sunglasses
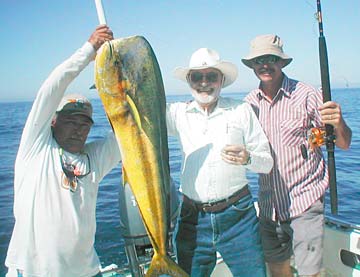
column 72, row 173
column 268, row 59
column 210, row 77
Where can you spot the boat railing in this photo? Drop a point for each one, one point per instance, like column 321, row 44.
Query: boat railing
column 339, row 221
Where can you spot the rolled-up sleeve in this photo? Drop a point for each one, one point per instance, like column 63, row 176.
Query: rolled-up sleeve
column 256, row 143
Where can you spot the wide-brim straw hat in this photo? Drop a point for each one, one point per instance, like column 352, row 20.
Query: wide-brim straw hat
column 206, row 58
column 266, row 45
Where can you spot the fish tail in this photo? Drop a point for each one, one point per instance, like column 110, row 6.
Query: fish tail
column 161, row 264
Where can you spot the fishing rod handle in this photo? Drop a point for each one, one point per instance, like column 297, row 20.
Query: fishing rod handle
column 100, row 12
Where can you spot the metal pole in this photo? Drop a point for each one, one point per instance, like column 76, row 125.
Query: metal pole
column 100, row 12
column 130, row 250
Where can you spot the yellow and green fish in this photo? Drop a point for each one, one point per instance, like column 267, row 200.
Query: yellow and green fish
column 129, row 82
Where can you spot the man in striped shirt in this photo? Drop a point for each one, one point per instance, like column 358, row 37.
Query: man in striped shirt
column 291, row 195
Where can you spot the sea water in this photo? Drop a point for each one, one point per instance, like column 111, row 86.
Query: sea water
column 109, row 243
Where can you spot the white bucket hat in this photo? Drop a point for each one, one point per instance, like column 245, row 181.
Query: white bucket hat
column 206, row 58
column 266, row 45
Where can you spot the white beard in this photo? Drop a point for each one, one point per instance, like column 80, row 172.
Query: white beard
column 207, row 98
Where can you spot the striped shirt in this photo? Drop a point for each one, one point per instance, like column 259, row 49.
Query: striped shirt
column 295, row 182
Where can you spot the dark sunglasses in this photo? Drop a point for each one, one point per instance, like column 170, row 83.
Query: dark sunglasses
column 72, row 173
column 210, row 77
column 267, row 59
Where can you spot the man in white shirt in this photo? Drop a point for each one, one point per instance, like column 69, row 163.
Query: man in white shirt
column 57, row 177
column 220, row 138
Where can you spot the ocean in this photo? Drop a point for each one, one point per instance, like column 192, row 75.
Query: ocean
column 109, row 243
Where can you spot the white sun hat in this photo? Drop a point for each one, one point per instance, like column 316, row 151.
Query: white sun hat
column 266, row 45
column 206, row 58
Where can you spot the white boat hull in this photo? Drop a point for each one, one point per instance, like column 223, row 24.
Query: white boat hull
column 341, row 248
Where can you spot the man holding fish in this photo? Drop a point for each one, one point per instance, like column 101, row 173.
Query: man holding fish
column 57, row 177
column 220, row 138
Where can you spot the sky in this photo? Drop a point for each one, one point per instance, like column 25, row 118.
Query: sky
column 39, row 35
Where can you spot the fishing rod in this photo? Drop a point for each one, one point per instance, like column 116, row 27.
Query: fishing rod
column 329, row 129
column 100, row 12
column 102, row 20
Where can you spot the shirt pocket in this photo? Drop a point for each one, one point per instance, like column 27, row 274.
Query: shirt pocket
column 293, row 132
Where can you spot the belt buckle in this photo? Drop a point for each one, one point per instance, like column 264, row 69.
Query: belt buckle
column 205, row 206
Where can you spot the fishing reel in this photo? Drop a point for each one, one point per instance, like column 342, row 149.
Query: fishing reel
column 317, row 137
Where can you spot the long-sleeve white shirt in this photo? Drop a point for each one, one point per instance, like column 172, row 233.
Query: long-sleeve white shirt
column 55, row 228
column 205, row 177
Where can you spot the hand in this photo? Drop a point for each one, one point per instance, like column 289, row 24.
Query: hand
column 331, row 114
column 235, row 154
column 102, row 34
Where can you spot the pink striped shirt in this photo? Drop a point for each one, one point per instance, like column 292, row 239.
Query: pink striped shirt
column 295, row 181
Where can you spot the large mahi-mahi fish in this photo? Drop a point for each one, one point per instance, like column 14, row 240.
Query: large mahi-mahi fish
column 129, row 83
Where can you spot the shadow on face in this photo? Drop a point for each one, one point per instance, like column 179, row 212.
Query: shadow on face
column 71, row 131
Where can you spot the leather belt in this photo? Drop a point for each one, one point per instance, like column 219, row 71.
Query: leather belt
column 218, row 206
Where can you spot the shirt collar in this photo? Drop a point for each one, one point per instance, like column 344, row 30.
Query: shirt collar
column 286, row 89
column 286, row 86
column 221, row 105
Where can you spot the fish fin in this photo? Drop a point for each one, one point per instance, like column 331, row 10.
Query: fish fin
column 161, row 265
column 134, row 110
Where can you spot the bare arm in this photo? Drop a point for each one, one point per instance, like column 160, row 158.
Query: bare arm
column 331, row 114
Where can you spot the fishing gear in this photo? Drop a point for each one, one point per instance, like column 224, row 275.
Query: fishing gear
column 318, row 137
column 329, row 129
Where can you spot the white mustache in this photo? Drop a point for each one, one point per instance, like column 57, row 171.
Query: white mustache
column 205, row 99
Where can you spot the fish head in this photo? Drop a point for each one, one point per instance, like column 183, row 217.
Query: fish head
column 109, row 76
column 111, row 81
column 124, row 77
